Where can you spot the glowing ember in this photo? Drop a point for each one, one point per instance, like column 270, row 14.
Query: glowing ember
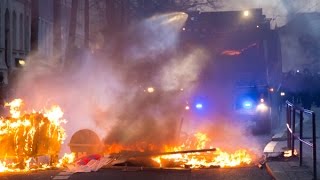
column 231, row 52
column 25, row 136
column 288, row 153
column 217, row 158
column 238, row 52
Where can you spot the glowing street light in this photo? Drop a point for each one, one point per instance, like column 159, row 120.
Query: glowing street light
column 20, row 62
column 246, row 13
column 150, row 89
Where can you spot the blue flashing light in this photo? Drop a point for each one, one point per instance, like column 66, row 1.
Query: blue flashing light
column 199, row 106
column 247, row 104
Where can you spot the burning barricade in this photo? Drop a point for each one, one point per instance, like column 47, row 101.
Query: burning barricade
column 26, row 136
column 193, row 152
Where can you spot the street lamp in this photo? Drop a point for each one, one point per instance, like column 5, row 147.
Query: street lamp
column 246, row 13
column 150, row 89
column 20, row 62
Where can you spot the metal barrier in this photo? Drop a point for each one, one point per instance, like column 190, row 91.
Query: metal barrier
column 292, row 135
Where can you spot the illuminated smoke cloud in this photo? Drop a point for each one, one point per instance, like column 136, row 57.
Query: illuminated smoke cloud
column 181, row 73
column 155, row 36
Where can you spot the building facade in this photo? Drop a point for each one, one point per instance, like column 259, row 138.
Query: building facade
column 300, row 43
column 50, row 30
column 15, row 33
column 42, row 27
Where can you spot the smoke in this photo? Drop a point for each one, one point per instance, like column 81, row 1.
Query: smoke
column 108, row 91
column 157, row 35
column 280, row 11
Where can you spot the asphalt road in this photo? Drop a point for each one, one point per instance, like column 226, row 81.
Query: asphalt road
column 135, row 173
column 35, row 175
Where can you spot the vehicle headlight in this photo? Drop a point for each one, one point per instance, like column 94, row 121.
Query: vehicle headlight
column 262, row 107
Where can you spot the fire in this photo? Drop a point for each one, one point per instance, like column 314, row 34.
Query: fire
column 288, row 153
column 218, row 158
column 238, row 52
column 26, row 136
column 231, row 52
column 66, row 159
column 140, row 147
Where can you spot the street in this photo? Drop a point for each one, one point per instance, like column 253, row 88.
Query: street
column 134, row 172
column 230, row 173
column 247, row 173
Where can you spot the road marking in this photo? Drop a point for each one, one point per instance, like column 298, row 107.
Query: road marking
column 63, row 175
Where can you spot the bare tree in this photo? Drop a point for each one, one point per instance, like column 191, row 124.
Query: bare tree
column 57, row 29
column 86, row 23
column 160, row 6
column 73, row 23
column 185, row 5
column 72, row 33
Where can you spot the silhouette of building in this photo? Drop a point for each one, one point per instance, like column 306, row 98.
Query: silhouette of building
column 15, row 24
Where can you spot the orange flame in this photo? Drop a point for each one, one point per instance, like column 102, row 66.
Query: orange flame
column 238, row 52
column 288, row 153
column 25, row 136
column 209, row 159
column 231, row 52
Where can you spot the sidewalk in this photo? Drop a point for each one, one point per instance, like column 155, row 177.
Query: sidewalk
column 288, row 168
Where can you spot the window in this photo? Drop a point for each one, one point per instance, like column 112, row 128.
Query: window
column 0, row 29
column 14, row 30
column 26, row 38
column 7, row 37
column 21, row 32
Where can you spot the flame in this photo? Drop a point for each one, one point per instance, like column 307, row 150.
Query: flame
column 218, row 158
column 14, row 107
column 238, row 52
column 231, row 52
column 66, row 159
column 288, row 153
column 25, row 136
column 140, row 147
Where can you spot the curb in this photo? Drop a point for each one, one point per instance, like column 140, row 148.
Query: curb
column 270, row 172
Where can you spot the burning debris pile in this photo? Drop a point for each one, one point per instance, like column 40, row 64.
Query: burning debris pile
column 193, row 152
column 25, row 136
column 217, row 158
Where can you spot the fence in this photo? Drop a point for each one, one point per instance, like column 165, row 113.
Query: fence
column 292, row 110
